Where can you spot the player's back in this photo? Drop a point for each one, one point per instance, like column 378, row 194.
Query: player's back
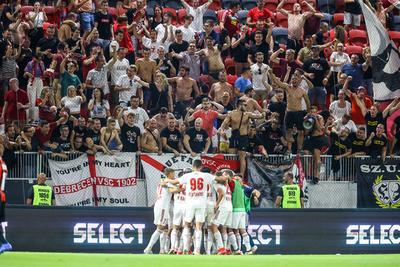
column 226, row 202
column 196, row 184
column 163, row 197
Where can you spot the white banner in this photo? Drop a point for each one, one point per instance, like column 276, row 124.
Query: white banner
column 154, row 165
column 99, row 180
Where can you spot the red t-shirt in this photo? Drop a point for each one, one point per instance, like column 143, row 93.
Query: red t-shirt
column 59, row 58
column 356, row 114
column 255, row 14
column 231, row 22
column 126, row 41
column 44, row 138
column 208, row 118
column 87, row 68
column 11, row 98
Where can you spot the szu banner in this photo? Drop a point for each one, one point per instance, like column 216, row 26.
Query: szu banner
column 378, row 184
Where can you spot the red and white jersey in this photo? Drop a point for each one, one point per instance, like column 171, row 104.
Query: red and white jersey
column 163, row 197
column 226, row 202
column 211, row 195
column 180, row 198
column 3, row 176
column 196, row 188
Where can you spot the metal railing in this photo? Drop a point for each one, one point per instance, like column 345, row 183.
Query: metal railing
column 26, row 165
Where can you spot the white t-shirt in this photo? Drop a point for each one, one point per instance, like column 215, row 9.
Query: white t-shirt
column 211, row 195
column 140, row 117
column 338, row 112
column 163, row 197
column 160, row 34
column 188, row 33
column 125, row 82
column 350, row 124
column 196, row 188
column 344, row 58
column 226, row 202
column 99, row 78
column 118, row 69
column 179, row 199
column 153, row 46
column 39, row 20
column 73, row 103
column 197, row 23
column 99, row 110
column 258, row 75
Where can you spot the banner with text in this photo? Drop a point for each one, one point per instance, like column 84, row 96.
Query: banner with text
column 100, row 180
column 154, row 165
column 378, row 184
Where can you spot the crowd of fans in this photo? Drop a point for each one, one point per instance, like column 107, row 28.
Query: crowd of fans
column 154, row 80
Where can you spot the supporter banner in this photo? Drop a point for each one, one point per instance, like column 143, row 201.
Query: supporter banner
column 267, row 177
column 100, row 180
column 378, row 185
column 385, row 58
column 154, row 165
column 274, row 231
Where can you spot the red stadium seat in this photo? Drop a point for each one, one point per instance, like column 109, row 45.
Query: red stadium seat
column 338, row 18
column 52, row 14
column 181, row 15
column 289, row 4
column 26, row 9
column 271, row 5
column 281, row 20
column 230, row 66
column 395, row 36
column 358, row 38
column 332, row 36
column 353, row 49
column 304, row 7
column 173, row 12
column 215, row 5
column 231, row 79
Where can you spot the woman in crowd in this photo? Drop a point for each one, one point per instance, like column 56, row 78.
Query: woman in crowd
column 74, row 101
column 99, row 107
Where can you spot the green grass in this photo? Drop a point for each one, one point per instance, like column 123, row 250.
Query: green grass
column 27, row 259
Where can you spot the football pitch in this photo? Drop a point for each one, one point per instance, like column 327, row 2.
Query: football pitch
column 28, row 259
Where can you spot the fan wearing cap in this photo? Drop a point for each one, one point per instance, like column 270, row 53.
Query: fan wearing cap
column 360, row 103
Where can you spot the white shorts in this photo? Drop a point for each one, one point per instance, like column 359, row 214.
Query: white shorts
column 179, row 212
column 352, row 19
column 209, row 214
column 161, row 216
column 222, row 217
column 198, row 214
column 238, row 220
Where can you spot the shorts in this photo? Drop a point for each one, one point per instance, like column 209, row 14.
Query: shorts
column 238, row 220
column 353, row 19
column 160, row 216
column 315, row 142
column 223, row 217
column 209, row 214
column 179, row 213
column 293, row 44
column 295, row 118
column 86, row 20
column 198, row 214
column 240, row 142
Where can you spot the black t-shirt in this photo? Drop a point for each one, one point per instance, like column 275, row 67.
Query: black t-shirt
column 56, row 132
column 339, row 146
column 46, row 44
column 129, row 138
column 371, row 123
column 103, row 25
column 94, row 135
column 263, row 47
column 254, row 143
column 177, row 48
column 377, row 143
column 165, row 68
column 173, row 138
column 80, row 131
column 317, row 66
column 198, row 139
column 241, row 51
column 63, row 145
column 253, row 34
column 357, row 145
column 6, row 22
column 272, row 139
column 353, row 8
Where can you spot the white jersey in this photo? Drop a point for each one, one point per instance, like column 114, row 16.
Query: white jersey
column 179, row 199
column 163, row 197
column 226, row 202
column 196, row 188
column 211, row 195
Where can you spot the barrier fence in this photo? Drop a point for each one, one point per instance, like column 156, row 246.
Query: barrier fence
column 25, row 167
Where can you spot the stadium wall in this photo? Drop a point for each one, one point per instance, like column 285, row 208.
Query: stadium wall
column 275, row 231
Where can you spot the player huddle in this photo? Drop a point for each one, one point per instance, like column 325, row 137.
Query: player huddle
column 200, row 203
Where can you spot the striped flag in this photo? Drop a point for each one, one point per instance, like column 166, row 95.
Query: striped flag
column 385, row 58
